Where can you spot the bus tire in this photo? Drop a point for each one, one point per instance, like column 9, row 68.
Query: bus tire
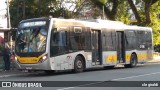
column 133, row 62
column 78, row 64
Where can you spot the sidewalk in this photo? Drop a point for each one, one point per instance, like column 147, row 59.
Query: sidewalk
column 15, row 72
column 12, row 72
column 155, row 60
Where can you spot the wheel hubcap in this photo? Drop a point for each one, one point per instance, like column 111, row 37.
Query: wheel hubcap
column 133, row 61
column 79, row 64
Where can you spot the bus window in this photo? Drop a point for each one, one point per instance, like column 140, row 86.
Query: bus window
column 130, row 39
column 142, row 40
column 77, row 39
column 58, row 42
column 149, row 39
column 31, row 39
column 109, row 41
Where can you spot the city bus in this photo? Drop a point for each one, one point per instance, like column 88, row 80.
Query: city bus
column 54, row 44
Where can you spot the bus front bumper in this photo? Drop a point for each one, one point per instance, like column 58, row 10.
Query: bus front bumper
column 38, row 66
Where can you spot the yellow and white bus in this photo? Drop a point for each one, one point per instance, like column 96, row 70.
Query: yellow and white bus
column 52, row 44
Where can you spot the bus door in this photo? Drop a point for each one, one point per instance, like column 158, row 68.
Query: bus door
column 96, row 47
column 120, row 47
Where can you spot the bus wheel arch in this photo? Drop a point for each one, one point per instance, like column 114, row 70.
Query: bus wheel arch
column 133, row 61
column 79, row 63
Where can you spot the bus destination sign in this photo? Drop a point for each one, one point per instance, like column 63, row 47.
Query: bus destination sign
column 32, row 24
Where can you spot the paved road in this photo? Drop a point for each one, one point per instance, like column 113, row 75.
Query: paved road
column 147, row 72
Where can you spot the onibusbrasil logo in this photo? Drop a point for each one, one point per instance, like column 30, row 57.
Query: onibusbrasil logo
column 21, row 84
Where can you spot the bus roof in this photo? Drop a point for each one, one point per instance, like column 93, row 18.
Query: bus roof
column 96, row 23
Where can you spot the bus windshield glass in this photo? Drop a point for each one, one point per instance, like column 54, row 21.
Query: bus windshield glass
column 31, row 39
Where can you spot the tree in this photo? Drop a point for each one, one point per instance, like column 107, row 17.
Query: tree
column 123, row 14
column 135, row 11
column 155, row 22
column 25, row 9
column 145, row 11
column 146, row 7
column 106, row 4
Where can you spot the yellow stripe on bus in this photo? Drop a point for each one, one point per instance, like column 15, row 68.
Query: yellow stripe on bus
column 128, row 57
column 28, row 60
column 111, row 58
column 142, row 56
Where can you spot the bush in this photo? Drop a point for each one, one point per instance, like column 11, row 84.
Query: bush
column 157, row 48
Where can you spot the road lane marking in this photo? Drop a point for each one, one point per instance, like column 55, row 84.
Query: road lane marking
column 66, row 88
column 136, row 76
column 81, row 85
column 110, row 80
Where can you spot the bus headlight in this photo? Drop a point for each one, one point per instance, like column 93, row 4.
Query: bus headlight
column 43, row 58
column 15, row 58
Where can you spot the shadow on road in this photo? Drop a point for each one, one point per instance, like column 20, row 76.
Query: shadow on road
column 67, row 72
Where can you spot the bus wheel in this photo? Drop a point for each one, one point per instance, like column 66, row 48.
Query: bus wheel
column 133, row 62
column 78, row 64
column 49, row 71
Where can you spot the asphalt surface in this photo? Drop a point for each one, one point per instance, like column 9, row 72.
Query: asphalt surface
column 98, row 78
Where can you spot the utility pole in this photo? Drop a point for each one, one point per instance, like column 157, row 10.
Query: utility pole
column 103, row 16
column 8, row 15
column 9, row 23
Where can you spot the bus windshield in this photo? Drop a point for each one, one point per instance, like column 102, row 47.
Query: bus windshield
column 31, row 39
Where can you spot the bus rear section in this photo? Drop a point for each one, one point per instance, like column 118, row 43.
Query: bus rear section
column 139, row 45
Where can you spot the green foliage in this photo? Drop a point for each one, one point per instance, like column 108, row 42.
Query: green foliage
column 155, row 22
column 114, row 10
column 103, row 1
column 123, row 12
column 25, row 9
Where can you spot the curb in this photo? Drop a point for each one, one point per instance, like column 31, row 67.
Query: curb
column 155, row 59
column 12, row 75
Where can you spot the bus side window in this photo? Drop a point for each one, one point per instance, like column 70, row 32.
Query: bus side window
column 130, row 39
column 53, row 50
column 77, row 38
column 142, row 40
column 58, row 42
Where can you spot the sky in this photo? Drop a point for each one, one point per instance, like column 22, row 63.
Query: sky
column 3, row 20
column 68, row 4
